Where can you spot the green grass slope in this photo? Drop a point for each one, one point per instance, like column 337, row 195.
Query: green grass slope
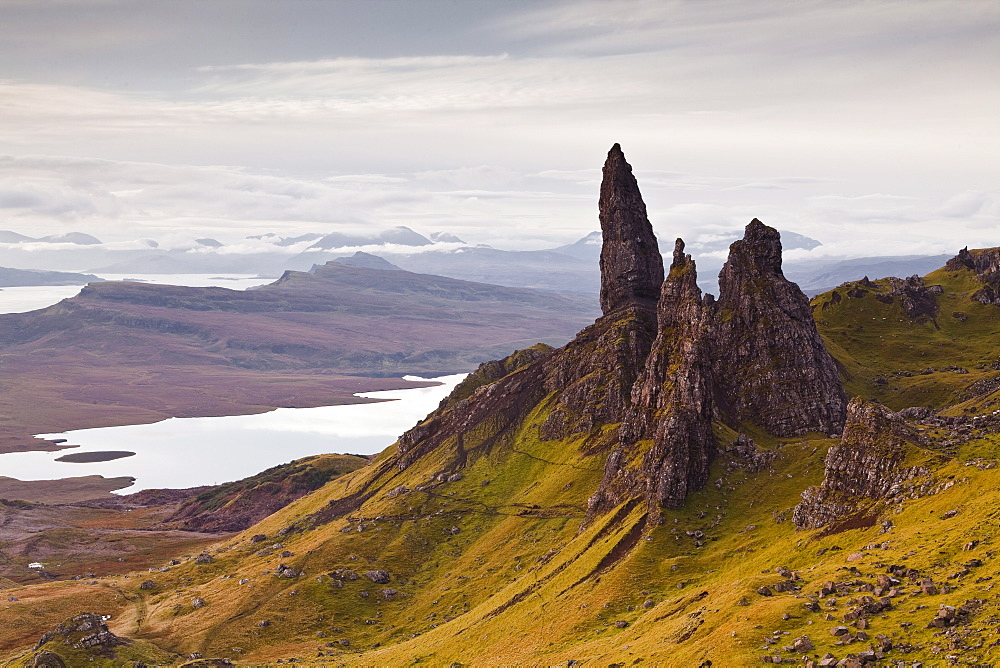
column 480, row 552
column 942, row 361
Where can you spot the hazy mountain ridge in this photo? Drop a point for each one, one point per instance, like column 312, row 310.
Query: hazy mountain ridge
column 305, row 340
column 24, row 277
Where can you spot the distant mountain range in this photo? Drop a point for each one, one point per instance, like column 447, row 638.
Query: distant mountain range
column 79, row 238
column 10, row 278
column 571, row 268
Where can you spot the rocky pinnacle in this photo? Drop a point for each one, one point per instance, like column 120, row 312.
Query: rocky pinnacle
column 771, row 366
column 672, row 406
column 631, row 265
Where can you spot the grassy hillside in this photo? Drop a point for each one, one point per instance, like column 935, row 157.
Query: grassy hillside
column 479, row 551
column 929, row 360
column 496, row 566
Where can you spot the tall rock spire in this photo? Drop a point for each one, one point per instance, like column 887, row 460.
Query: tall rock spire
column 666, row 440
column 631, row 265
column 771, row 365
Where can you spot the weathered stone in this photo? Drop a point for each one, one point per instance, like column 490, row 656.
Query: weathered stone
column 377, row 576
column 85, row 631
column 865, row 466
column 917, row 300
column 631, row 265
column 772, row 367
column 986, row 264
column 672, row 402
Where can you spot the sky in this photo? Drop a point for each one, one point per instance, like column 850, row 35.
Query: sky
column 870, row 126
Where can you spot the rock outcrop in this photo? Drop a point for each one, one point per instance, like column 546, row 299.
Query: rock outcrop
column 631, row 264
column 986, row 263
column 917, row 300
column 867, row 466
column 590, row 378
column 594, row 374
column 658, row 367
column 87, row 631
column 671, row 404
column 771, row 366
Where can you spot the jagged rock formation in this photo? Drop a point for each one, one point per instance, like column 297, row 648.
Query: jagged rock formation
column 595, row 372
column 986, row 263
column 631, row 265
column 867, row 466
column 86, row 631
column 591, row 377
column 917, row 299
column 671, row 403
column 771, row 366
column 659, row 365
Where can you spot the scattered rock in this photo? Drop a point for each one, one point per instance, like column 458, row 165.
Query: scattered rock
column 377, row 576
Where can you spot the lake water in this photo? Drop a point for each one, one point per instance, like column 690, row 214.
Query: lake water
column 32, row 297
column 188, row 452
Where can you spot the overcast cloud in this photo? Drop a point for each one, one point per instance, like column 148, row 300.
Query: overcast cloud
column 870, row 126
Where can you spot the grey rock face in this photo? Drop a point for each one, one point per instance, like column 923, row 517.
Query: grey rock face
column 671, row 403
column 631, row 265
column 770, row 364
column 865, row 467
column 917, row 300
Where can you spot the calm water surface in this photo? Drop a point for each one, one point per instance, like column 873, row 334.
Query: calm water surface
column 188, row 452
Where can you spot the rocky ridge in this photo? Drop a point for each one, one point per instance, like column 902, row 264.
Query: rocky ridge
column 867, row 466
column 661, row 364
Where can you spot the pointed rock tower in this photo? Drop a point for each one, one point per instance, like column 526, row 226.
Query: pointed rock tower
column 666, row 441
column 771, row 366
column 631, row 264
column 594, row 377
column 646, row 381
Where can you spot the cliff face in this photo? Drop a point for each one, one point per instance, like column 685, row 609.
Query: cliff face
column 658, row 367
column 671, row 404
column 867, row 466
column 771, row 366
column 631, row 265
column 590, row 379
column 593, row 375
